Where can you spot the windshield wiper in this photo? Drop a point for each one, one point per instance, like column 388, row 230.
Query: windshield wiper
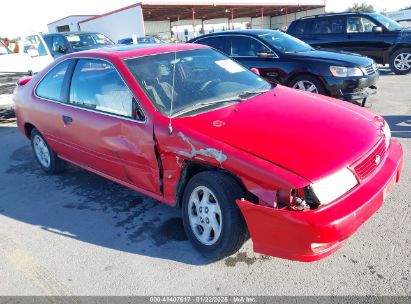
column 237, row 98
column 198, row 106
column 243, row 95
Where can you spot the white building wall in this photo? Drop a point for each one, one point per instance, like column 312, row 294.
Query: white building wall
column 71, row 21
column 118, row 25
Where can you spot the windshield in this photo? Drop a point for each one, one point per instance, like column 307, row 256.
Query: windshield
column 203, row 79
column 285, row 43
column 78, row 41
column 387, row 22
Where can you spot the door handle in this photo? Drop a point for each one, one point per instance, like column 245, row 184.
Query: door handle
column 67, row 120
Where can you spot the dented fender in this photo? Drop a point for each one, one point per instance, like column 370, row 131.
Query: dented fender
column 184, row 144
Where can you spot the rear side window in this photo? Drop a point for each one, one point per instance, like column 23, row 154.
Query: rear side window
column 245, row 46
column 301, row 28
column 49, row 41
column 97, row 85
column 328, row 26
column 50, row 87
column 215, row 42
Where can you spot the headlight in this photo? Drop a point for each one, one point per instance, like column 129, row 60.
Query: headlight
column 339, row 71
column 387, row 134
column 332, row 187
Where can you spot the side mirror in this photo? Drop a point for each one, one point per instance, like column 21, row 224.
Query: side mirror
column 377, row 29
column 61, row 49
column 255, row 71
column 265, row 54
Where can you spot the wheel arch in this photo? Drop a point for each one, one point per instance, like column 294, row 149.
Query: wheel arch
column 191, row 168
column 396, row 48
column 28, row 128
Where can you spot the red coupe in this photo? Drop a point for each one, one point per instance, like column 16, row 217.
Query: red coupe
column 299, row 172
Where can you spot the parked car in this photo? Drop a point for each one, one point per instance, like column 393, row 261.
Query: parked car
column 69, row 42
column 369, row 34
column 192, row 128
column 32, row 56
column 140, row 40
column 283, row 59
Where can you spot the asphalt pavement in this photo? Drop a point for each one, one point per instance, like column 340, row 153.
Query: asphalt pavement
column 79, row 234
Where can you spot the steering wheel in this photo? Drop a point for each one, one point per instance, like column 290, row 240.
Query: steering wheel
column 207, row 84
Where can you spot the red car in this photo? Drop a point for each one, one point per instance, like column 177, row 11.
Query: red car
column 189, row 127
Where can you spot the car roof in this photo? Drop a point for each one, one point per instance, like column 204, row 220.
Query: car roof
column 250, row 32
column 71, row 33
column 332, row 15
column 136, row 50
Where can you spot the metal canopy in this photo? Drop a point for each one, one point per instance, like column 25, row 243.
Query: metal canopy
column 157, row 12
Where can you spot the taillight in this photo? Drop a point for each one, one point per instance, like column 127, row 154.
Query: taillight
column 24, row 80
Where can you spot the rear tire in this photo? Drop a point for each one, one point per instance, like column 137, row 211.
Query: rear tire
column 400, row 61
column 212, row 220
column 307, row 83
column 46, row 157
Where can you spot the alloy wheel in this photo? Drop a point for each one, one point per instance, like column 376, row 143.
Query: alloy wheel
column 403, row 61
column 41, row 150
column 204, row 214
column 305, row 85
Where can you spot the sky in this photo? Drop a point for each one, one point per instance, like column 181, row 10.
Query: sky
column 19, row 17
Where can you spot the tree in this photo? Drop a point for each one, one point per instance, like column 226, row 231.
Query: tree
column 361, row 8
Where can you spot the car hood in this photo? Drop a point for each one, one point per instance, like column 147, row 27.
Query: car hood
column 338, row 57
column 308, row 134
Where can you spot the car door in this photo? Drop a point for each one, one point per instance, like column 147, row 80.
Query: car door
column 254, row 54
column 104, row 128
column 13, row 62
column 362, row 39
column 35, row 47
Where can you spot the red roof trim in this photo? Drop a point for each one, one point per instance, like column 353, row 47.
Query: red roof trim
column 112, row 12
column 69, row 17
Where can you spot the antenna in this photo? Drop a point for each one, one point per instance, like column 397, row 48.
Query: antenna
column 170, row 127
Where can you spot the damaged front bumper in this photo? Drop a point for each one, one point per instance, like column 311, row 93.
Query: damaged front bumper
column 314, row 234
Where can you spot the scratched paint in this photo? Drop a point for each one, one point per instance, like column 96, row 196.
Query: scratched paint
column 218, row 155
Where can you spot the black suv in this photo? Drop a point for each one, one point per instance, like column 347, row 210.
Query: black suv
column 70, row 42
column 369, row 34
column 283, row 59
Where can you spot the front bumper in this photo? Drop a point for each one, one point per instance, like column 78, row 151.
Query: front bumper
column 292, row 234
column 355, row 88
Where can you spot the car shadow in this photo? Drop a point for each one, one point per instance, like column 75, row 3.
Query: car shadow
column 84, row 206
column 400, row 125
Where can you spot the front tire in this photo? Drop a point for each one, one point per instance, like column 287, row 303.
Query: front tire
column 45, row 156
column 307, row 83
column 400, row 61
column 212, row 220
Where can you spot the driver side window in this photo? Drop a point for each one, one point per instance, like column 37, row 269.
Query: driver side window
column 97, row 85
column 359, row 25
column 58, row 42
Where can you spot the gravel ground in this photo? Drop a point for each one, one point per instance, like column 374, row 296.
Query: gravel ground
column 79, row 234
